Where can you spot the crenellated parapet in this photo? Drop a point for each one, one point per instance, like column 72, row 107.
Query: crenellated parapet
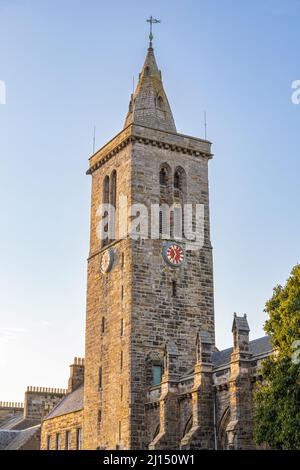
column 39, row 401
column 47, row 390
column 11, row 405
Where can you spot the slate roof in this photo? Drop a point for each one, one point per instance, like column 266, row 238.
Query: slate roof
column 257, row 347
column 15, row 440
column 241, row 323
column 6, row 437
column 12, row 421
column 69, row 404
column 22, row 437
column 149, row 104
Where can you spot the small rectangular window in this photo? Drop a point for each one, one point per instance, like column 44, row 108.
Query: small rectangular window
column 121, row 360
column 121, row 392
column 68, row 440
column 156, row 375
column 123, row 259
column 58, row 441
column 174, row 289
column 48, row 442
column 122, row 292
column 100, row 377
column 78, row 439
column 160, row 223
column 103, row 325
column 122, row 327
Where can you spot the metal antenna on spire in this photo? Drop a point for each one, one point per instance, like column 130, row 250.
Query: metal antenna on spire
column 152, row 21
column 205, row 126
column 94, row 140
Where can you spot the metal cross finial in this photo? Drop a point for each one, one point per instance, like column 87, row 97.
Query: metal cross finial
column 152, row 21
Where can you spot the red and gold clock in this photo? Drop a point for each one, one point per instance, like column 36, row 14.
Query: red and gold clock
column 173, row 254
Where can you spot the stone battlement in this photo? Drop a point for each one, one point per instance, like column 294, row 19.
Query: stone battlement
column 57, row 391
column 9, row 404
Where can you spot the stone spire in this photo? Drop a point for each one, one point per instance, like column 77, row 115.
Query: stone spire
column 149, row 104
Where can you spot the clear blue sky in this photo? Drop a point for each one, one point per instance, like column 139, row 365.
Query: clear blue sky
column 68, row 65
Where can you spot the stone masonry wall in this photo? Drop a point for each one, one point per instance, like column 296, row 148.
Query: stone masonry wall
column 107, row 409
column 61, row 424
column 138, row 291
column 39, row 401
column 157, row 317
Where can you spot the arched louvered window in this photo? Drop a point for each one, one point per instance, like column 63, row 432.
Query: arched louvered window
column 159, row 102
column 163, row 176
column 105, row 199
column 179, row 179
column 113, row 189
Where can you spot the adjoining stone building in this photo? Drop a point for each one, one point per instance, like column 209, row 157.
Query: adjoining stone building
column 153, row 377
column 20, row 425
column 62, row 427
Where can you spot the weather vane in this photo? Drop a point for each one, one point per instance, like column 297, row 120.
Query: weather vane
column 152, row 21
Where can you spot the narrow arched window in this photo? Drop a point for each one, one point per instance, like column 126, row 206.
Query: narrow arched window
column 163, row 177
column 160, row 222
column 159, row 102
column 113, row 203
column 105, row 198
column 156, row 374
column 179, row 179
column 113, row 189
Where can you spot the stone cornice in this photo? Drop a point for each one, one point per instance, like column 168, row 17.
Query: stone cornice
column 162, row 139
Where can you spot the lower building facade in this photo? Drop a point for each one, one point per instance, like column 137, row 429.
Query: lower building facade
column 209, row 407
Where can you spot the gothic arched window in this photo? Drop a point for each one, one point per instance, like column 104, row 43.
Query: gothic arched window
column 159, row 102
column 105, row 199
column 154, row 368
column 179, row 179
column 164, row 174
column 113, row 189
column 156, row 374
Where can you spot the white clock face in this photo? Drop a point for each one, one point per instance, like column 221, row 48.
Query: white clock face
column 107, row 261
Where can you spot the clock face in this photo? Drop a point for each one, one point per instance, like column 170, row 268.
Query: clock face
column 173, row 254
column 107, row 261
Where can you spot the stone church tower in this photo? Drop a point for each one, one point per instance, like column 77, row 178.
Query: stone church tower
column 148, row 306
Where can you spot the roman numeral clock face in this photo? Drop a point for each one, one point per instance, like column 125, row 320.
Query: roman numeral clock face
column 173, row 254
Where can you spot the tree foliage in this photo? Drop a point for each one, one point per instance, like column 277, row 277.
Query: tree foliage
column 284, row 314
column 277, row 398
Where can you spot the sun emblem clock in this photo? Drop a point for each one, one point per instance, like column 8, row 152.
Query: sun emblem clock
column 173, row 254
column 107, row 261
